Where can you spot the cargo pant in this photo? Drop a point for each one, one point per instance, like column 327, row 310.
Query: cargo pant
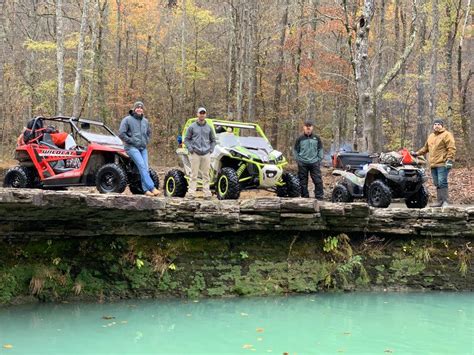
column 200, row 163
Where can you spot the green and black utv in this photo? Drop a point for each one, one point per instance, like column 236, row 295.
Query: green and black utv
column 242, row 159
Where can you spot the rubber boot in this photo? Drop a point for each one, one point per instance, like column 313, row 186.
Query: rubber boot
column 438, row 202
column 444, row 197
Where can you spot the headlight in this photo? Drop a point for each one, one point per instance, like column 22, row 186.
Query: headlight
column 392, row 171
column 238, row 154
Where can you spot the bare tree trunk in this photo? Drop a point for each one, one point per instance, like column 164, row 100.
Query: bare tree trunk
column 241, row 62
column 76, row 110
column 466, row 124
column 380, row 44
column 231, row 66
column 60, row 55
column 466, row 127
column 365, row 92
column 101, row 60
column 434, row 61
column 278, row 79
column 421, row 131
column 460, row 46
column 452, row 33
column 147, row 55
column 253, row 59
column 2, row 75
column 182, row 84
column 349, row 29
column 297, row 67
column 118, row 51
column 93, row 59
column 311, row 104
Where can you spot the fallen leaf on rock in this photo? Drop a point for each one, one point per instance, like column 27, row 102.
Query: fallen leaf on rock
column 7, row 346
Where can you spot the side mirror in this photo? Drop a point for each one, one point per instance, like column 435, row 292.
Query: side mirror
column 85, row 125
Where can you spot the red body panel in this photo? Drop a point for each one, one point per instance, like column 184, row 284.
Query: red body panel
column 42, row 156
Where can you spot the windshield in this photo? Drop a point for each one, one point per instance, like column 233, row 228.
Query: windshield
column 256, row 143
column 101, row 138
column 229, row 140
column 98, row 134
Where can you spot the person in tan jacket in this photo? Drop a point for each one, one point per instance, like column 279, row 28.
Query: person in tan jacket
column 441, row 147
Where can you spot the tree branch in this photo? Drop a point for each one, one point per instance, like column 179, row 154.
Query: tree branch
column 392, row 73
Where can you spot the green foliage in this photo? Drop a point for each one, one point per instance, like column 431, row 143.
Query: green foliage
column 244, row 255
column 197, row 286
column 330, row 244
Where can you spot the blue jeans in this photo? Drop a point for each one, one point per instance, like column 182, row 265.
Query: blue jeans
column 140, row 158
column 440, row 177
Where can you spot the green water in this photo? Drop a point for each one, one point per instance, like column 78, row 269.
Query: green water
column 362, row 323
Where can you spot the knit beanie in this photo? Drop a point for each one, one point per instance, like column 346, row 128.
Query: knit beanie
column 138, row 104
column 439, row 121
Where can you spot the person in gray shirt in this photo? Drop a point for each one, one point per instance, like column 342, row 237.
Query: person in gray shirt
column 200, row 141
column 135, row 132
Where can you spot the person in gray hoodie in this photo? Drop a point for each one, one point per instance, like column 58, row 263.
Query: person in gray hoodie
column 200, row 141
column 308, row 152
column 135, row 132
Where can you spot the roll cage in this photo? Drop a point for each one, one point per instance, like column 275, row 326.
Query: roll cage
column 78, row 128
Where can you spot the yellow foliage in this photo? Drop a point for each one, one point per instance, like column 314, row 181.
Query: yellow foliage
column 39, row 46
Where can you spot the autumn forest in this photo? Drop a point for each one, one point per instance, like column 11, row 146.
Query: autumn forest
column 372, row 74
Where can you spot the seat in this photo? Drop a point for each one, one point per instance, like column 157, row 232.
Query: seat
column 360, row 173
column 47, row 140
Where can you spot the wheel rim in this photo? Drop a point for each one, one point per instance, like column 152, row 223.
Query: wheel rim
column 223, row 185
column 108, row 181
column 170, row 186
column 338, row 195
column 377, row 194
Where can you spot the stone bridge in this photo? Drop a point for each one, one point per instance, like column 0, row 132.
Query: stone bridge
column 38, row 214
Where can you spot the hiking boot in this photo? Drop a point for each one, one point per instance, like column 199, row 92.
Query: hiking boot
column 442, row 198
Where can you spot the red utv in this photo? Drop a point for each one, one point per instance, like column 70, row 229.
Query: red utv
column 91, row 154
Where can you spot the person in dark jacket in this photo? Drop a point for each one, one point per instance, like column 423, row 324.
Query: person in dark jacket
column 200, row 141
column 308, row 152
column 135, row 132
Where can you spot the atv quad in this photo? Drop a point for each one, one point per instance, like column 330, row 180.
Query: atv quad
column 242, row 159
column 91, row 154
column 379, row 182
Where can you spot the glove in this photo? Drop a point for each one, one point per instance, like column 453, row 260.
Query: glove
column 413, row 154
column 449, row 164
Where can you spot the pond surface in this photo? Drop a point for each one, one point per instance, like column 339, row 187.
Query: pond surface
column 355, row 323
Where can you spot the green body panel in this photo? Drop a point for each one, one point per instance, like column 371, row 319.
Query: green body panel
column 252, row 157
